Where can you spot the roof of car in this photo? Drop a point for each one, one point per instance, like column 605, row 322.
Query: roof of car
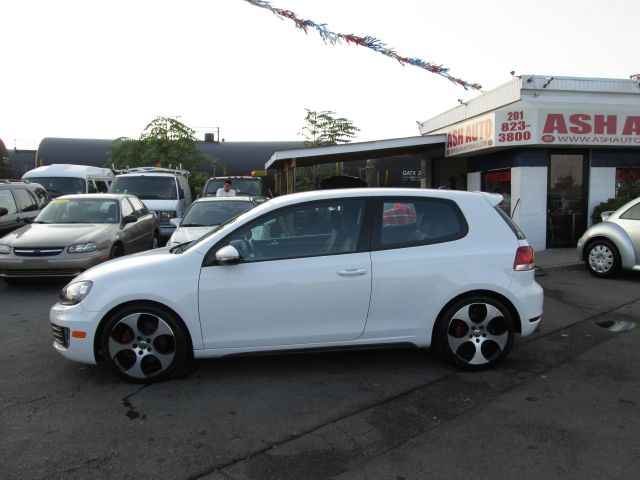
column 241, row 198
column 93, row 196
column 493, row 198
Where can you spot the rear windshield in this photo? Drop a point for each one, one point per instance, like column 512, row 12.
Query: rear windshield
column 242, row 186
column 511, row 224
column 57, row 186
column 146, row 187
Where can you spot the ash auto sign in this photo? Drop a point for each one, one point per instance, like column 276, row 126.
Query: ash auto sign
column 476, row 134
column 588, row 128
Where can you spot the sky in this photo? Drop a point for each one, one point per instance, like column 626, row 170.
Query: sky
column 83, row 69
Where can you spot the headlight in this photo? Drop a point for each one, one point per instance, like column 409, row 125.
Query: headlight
column 74, row 293
column 5, row 249
column 82, row 247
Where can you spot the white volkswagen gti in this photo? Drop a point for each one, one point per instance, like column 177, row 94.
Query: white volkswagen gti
column 323, row 269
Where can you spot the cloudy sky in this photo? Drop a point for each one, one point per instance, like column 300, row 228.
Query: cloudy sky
column 105, row 69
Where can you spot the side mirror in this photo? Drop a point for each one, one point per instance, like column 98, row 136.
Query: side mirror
column 175, row 221
column 228, row 255
column 3, row 211
column 129, row 219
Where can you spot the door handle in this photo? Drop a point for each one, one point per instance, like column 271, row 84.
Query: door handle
column 352, row 272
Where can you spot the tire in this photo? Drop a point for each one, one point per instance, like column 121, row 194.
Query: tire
column 602, row 259
column 144, row 343
column 116, row 251
column 11, row 281
column 475, row 332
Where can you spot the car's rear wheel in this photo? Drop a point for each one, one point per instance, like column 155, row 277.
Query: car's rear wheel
column 475, row 332
column 602, row 259
column 116, row 251
column 144, row 343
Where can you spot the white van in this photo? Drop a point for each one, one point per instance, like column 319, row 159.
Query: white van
column 63, row 179
column 164, row 191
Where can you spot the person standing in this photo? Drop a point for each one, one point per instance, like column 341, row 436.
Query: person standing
column 226, row 190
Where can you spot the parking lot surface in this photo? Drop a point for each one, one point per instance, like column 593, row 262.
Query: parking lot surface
column 564, row 404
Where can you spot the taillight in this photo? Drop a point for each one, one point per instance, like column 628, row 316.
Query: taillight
column 524, row 259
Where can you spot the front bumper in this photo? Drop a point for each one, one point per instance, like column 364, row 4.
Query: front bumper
column 63, row 265
column 74, row 331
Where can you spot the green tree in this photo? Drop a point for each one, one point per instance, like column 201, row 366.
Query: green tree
column 165, row 142
column 321, row 129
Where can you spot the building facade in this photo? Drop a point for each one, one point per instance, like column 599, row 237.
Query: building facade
column 555, row 147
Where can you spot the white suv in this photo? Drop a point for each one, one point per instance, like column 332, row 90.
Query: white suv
column 321, row 269
column 164, row 191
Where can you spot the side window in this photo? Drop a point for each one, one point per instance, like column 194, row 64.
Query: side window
column 25, row 200
column 7, row 201
column 139, row 209
column 91, row 187
column 633, row 213
column 309, row 230
column 102, row 186
column 127, row 209
column 410, row 222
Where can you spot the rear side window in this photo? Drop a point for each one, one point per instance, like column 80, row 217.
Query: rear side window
column 408, row 222
column 25, row 200
column 633, row 213
column 140, row 209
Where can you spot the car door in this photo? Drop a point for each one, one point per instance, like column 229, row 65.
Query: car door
column 130, row 232
column 9, row 221
column 304, row 278
column 146, row 223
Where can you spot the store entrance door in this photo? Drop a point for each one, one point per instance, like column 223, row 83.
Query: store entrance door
column 566, row 205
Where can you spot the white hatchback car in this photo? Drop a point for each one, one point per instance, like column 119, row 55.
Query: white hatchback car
column 323, row 269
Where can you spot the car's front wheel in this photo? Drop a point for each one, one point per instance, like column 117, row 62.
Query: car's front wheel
column 475, row 332
column 602, row 259
column 144, row 343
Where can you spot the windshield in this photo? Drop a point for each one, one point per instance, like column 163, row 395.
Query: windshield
column 242, row 186
column 79, row 210
column 57, row 186
column 146, row 187
column 202, row 214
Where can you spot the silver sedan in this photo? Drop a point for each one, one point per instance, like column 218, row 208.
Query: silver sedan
column 74, row 233
column 613, row 244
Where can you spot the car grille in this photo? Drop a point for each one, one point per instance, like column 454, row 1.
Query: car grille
column 37, row 251
column 40, row 273
column 60, row 335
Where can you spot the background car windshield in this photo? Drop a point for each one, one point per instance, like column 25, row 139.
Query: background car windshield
column 57, row 186
column 241, row 186
column 213, row 213
column 79, row 211
column 146, row 187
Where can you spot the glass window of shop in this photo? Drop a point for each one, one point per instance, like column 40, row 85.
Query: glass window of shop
column 627, row 182
column 499, row 181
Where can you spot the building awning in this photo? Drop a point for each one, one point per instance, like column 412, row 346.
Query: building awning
column 358, row 151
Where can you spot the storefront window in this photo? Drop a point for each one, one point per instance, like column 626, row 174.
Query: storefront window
column 499, row 181
column 627, row 182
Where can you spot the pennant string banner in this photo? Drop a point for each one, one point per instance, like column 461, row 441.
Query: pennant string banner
column 372, row 43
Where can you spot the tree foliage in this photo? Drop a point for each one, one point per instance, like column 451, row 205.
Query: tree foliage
column 321, row 129
column 165, row 142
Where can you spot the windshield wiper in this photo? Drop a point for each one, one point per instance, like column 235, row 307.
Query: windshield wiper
column 179, row 248
column 192, row 225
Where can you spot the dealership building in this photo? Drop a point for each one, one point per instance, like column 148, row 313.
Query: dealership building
column 554, row 147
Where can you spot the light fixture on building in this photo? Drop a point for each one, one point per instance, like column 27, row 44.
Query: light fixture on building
column 461, row 102
column 548, row 81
